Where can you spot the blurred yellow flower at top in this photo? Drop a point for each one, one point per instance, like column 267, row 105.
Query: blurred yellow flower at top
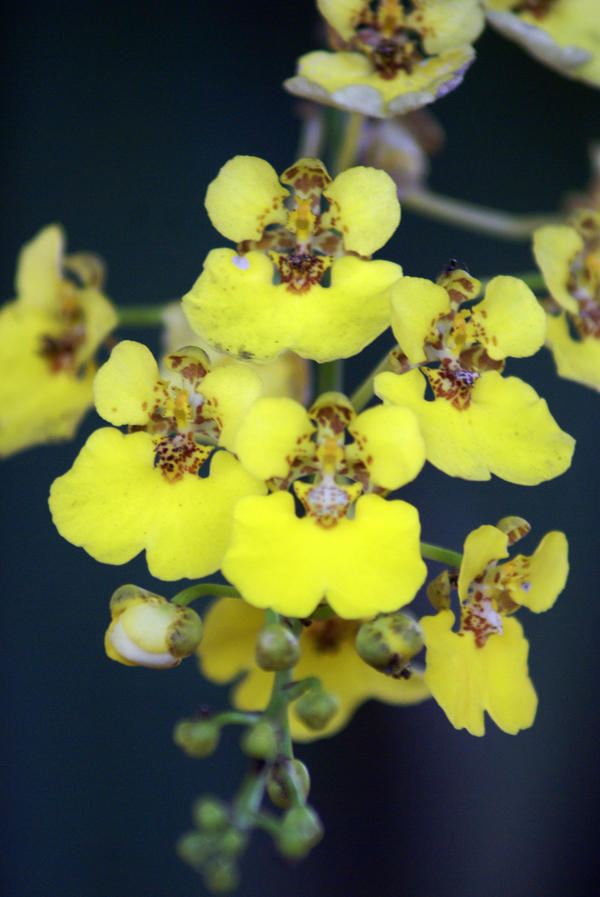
column 327, row 652
column 569, row 258
column 390, row 57
column 563, row 34
column 48, row 337
column 483, row 666
column 271, row 294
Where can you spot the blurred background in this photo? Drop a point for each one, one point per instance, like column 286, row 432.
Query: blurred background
column 116, row 118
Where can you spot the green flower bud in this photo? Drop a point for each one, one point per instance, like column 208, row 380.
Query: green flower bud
column 196, row 738
column 285, row 779
column 389, row 642
column 220, row 875
column 210, row 814
column 316, row 708
column 276, row 648
column 260, row 741
column 300, row 830
column 232, row 843
column 193, row 848
column 439, row 590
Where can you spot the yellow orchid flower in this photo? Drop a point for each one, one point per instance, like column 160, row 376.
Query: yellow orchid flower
column 389, row 58
column 483, row 666
column 269, row 295
column 48, row 337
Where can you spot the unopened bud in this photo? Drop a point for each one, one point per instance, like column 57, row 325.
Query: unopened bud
column 389, row 642
column 196, row 738
column 260, row 741
column 276, row 648
column 210, row 814
column 232, row 843
column 300, row 830
column 286, row 779
column 220, row 875
column 193, row 848
column 439, row 591
column 147, row 630
column 316, row 708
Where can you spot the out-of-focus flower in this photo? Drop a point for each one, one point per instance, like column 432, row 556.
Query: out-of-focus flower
column 148, row 488
column 478, row 423
column 389, row 57
column 235, row 305
column 402, row 147
column 360, row 553
column 483, row 666
column 563, row 34
column 48, row 337
column 146, row 630
column 569, row 258
column 230, row 630
column 589, row 198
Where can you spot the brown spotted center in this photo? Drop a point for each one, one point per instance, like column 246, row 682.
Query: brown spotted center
column 327, row 635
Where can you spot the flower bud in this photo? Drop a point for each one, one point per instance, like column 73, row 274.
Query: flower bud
column 196, row 738
column 286, row 779
column 300, row 830
column 316, row 708
column 210, row 814
column 389, row 642
column 147, row 630
column 220, row 875
column 232, row 843
column 193, row 848
column 276, row 648
column 260, row 741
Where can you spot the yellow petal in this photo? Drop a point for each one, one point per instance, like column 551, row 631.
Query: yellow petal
column 541, row 578
column 509, row 320
column 577, row 360
column 482, row 546
column 230, row 391
column 417, row 305
column 124, row 386
column 37, row 404
column 348, row 81
column 555, row 248
column 39, row 276
column 466, row 680
column 274, row 431
column 506, row 430
column 245, row 197
column 447, row 24
column 361, row 566
column 114, row 503
column 342, row 14
column 364, row 207
column 389, row 443
column 239, row 310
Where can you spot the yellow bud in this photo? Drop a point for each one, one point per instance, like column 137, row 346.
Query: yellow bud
column 147, row 630
column 389, row 642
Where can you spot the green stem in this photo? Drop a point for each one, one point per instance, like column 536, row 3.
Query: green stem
column 236, row 718
column 204, row 588
column 347, row 150
column 141, row 315
column 474, row 217
column 437, row 553
column 249, row 797
column 330, row 376
column 364, row 392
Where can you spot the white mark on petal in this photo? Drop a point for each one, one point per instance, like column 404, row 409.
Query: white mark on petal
column 241, row 262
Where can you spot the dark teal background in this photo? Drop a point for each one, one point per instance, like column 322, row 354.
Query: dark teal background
column 116, row 118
